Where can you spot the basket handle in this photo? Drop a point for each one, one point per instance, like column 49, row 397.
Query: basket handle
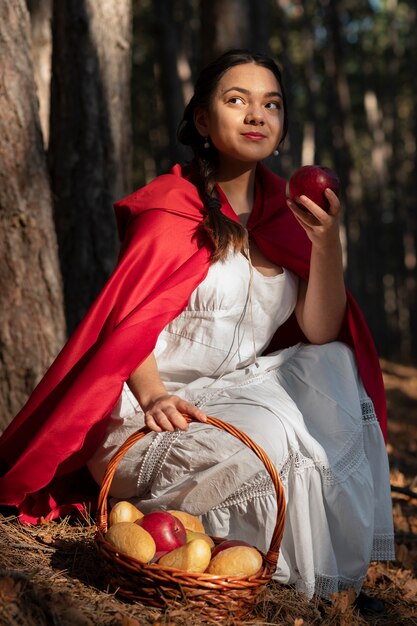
column 271, row 557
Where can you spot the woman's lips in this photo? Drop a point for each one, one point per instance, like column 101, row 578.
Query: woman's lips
column 254, row 136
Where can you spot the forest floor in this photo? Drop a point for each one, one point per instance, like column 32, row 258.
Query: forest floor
column 51, row 574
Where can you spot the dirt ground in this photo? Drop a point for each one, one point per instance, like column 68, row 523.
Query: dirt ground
column 52, row 574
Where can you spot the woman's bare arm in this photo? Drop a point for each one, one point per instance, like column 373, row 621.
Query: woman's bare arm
column 321, row 303
column 162, row 410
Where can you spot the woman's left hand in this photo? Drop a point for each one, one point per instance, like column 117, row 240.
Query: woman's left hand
column 322, row 227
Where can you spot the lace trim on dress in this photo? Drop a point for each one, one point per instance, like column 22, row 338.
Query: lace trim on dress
column 339, row 472
column 324, row 585
column 212, row 394
column 296, row 462
column 368, row 412
column 346, row 464
column 259, row 487
column 354, row 455
column 383, row 548
column 155, row 457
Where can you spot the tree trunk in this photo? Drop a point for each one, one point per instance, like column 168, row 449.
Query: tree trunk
column 411, row 228
column 260, row 15
column 343, row 142
column 312, row 143
column 290, row 158
column 225, row 24
column 170, row 63
column 32, row 324
column 40, row 18
column 90, row 140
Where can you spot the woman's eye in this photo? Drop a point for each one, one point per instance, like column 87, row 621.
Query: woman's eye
column 273, row 105
column 235, row 100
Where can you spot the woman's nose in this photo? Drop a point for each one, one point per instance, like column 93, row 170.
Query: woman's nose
column 254, row 117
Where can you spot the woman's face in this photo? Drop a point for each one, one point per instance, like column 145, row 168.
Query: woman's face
column 246, row 115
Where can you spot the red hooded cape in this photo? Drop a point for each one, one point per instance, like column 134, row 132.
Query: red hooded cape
column 161, row 262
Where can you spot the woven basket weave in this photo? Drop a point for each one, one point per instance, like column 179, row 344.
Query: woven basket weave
column 216, row 597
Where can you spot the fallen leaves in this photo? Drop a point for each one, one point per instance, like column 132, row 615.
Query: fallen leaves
column 406, row 557
column 10, row 590
column 343, row 600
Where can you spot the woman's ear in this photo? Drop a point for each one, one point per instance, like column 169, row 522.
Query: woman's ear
column 201, row 121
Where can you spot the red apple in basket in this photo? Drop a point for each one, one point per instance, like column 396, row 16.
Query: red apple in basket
column 158, row 555
column 311, row 181
column 167, row 531
column 229, row 543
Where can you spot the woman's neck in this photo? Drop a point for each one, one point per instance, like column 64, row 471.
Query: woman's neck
column 239, row 188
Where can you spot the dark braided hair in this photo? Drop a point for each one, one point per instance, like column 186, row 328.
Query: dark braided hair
column 221, row 230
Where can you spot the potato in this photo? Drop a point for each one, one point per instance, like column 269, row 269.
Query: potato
column 191, row 557
column 124, row 511
column 191, row 534
column 191, row 522
column 236, row 561
column 129, row 538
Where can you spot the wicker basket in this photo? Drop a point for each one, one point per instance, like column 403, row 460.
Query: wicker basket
column 216, row 597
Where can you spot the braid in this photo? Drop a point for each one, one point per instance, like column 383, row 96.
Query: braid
column 220, row 229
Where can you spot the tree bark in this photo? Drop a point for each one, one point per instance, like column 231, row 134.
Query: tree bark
column 290, row 156
column 260, row 15
column 411, row 241
column 32, row 326
column 225, row 24
column 90, row 140
column 170, row 61
column 40, row 18
column 343, row 137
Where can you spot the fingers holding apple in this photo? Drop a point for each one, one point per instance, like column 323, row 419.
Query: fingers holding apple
column 308, row 213
column 312, row 181
column 312, row 196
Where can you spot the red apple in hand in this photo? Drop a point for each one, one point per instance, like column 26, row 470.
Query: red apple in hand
column 311, row 181
column 167, row 531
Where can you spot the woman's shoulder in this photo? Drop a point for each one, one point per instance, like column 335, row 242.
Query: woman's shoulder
column 159, row 192
column 171, row 193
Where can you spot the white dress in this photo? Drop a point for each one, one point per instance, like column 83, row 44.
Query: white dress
column 305, row 406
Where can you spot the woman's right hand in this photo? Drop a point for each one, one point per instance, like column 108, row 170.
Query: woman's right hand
column 164, row 413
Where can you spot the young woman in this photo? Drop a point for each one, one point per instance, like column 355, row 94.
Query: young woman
column 228, row 300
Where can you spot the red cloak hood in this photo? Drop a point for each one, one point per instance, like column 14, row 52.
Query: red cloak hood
column 161, row 262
